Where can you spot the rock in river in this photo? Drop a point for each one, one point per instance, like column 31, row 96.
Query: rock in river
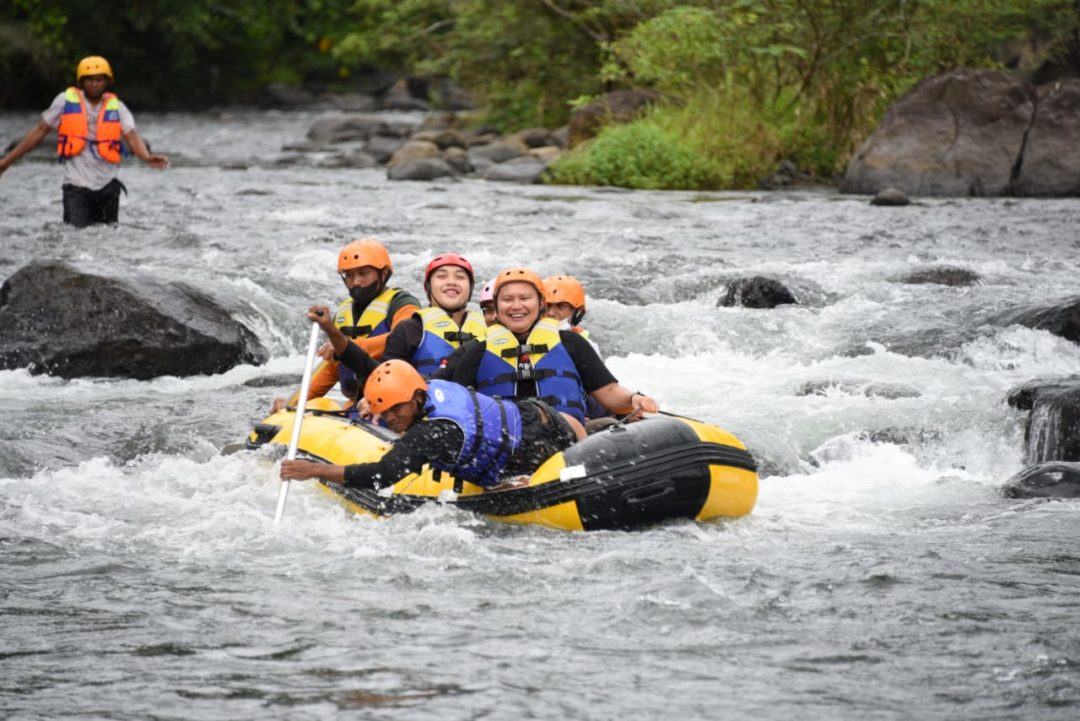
column 58, row 319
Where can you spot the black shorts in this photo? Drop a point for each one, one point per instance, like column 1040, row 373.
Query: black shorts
column 544, row 432
column 83, row 207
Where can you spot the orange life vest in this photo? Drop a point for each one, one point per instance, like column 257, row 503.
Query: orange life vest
column 73, row 130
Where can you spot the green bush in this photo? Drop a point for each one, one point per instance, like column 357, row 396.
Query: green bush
column 640, row 155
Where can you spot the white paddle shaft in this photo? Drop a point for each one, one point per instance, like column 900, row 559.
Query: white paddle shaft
column 301, row 404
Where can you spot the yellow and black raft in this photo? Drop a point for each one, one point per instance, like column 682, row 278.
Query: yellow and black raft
column 626, row 476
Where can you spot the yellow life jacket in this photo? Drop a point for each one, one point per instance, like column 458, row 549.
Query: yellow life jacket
column 373, row 321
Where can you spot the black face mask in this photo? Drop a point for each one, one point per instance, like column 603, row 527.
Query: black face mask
column 362, row 296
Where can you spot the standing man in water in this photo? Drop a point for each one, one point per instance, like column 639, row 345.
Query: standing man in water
column 90, row 123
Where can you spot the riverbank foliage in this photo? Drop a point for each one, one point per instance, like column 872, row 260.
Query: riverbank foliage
column 746, row 83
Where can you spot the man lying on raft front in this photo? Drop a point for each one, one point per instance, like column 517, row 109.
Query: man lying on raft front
column 476, row 438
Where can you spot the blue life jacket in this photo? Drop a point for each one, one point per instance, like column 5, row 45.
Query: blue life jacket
column 492, row 430
column 374, row 321
column 442, row 337
column 550, row 366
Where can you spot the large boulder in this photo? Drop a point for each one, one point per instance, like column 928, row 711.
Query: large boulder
column 1061, row 318
column 960, row 133
column 619, row 106
column 1045, row 480
column 1052, row 427
column 58, row 319
column 1051, row 163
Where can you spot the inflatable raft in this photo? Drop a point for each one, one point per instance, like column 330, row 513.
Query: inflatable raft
column 626, row 476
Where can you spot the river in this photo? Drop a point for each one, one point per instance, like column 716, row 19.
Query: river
column 881, row 576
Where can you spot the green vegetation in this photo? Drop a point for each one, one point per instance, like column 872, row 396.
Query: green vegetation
column 746, row 82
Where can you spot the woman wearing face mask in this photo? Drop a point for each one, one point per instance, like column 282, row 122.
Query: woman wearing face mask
column 366, row 317
column 430, row 335
column 526, row 355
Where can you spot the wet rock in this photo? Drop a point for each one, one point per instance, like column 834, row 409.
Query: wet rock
column 58, row 319
column 856, row 386
column 756, row 292
column 942, row 275
column 788, row 175
column 342, row 127
column 457, row 159
column 354, row 159
column 420, row 169
column 414, row 150
column 443, row 139
column 350, row 102
column 496, row 152
column 277, row 380
column 531, row 137
column 481, row 138
column 1052, row 428
column 307, row 146
column 619, row 106
column 395, row 100
column 1051, row 164
column 383, row 147
column 955, row 134
column 891, row 198
column 903, row 436
column 479, row 165
column 525, row 170
column 1062, row 319
column 1045, row 480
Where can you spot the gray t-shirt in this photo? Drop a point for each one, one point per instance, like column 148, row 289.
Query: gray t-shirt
column 87, row 169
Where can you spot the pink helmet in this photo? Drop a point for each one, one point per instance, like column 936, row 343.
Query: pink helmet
column 487, row 293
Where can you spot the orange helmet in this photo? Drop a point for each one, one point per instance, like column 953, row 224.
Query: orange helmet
column 392, row 382
column 565, row 289
column 515, row 275
column 93, row 65
column 359, row 253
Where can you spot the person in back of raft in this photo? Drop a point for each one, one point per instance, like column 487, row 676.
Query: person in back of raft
column 454, row 429
column 526, row 355
column 430, row 335
column 90, row 123
column 367, row 316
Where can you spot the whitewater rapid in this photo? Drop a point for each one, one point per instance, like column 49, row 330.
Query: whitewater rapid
column 881, row 575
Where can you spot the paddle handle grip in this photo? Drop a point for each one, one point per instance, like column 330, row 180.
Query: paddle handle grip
column 301, row 405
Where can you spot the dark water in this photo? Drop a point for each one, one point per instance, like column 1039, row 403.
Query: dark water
column 881, row 575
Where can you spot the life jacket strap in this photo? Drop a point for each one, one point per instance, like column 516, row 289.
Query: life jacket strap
column 357, row 331
column 524, row 349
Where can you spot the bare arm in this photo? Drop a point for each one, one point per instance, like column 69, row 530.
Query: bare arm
column 619, row 399
column 305, row 470
column 30, row 141
column 139, row 148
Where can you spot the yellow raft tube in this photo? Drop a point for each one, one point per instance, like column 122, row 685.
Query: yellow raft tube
column 626, row 476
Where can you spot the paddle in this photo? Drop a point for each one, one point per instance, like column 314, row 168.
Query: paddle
column 301, row 402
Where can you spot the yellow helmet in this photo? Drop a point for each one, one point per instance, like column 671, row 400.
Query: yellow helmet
column 93, row 65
